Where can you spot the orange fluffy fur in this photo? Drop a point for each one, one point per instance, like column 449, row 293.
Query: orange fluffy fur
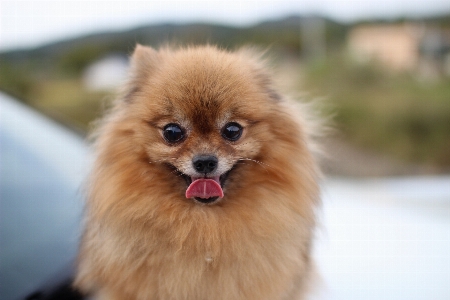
column 144, row 240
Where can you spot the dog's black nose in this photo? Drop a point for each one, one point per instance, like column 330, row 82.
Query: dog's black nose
column 205, row 163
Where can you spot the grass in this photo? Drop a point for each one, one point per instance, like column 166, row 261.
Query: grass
column 398, row 114
column 69, row 102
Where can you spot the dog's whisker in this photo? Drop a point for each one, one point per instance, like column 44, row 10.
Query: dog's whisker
column 264, row 165
column 177, row 172
column 252, row 142
column 254, row 160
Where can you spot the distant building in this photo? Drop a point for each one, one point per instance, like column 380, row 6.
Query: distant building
column 107, row 73
column 395, row 46
column 404, row 47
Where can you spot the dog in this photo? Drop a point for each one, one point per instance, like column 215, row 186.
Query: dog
column 204, row 184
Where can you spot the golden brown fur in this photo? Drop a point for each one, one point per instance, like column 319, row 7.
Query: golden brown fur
column 144, row 240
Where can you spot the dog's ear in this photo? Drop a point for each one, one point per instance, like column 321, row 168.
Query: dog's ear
column 143, row 62
column 259, row 62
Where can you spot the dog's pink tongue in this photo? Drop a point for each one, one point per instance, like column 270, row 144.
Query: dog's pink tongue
column 204, row 188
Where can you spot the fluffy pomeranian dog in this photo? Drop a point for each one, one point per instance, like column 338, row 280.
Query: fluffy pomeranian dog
column 204, row 184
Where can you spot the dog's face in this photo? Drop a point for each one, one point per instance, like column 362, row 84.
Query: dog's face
column 200, row 116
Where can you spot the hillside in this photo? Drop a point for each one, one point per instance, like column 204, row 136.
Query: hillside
column 277, row 33
column 398, row 115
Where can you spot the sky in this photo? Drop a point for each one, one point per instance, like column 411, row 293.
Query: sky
column 25, row 24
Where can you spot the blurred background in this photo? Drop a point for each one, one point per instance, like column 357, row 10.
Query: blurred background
column 379, row 71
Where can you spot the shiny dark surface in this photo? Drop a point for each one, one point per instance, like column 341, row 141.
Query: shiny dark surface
column 173, row 133
column 232, row 131
column 205, row 164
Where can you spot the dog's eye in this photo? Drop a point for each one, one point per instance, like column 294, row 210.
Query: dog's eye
column 173, row 133
column 232, row 131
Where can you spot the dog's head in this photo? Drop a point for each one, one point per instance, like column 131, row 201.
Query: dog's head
column 203, row 118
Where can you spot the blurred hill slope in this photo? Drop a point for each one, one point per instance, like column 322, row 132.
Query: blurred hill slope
column 397, row 115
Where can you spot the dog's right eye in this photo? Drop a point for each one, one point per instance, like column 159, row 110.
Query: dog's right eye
column 232, row 131
column 173, row 133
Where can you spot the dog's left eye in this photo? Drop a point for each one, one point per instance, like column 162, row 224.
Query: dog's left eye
column 173, row 133
column 232, row 131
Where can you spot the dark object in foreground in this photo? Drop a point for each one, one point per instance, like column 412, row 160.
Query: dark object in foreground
column 62, row 291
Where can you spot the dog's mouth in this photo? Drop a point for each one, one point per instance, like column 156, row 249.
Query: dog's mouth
column 205, row 189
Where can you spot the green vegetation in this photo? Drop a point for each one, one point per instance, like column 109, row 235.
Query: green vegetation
column 16, row 80
column 67, row 101
column 398, row 114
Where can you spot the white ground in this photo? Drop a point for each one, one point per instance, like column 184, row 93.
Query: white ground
column 385, row 238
